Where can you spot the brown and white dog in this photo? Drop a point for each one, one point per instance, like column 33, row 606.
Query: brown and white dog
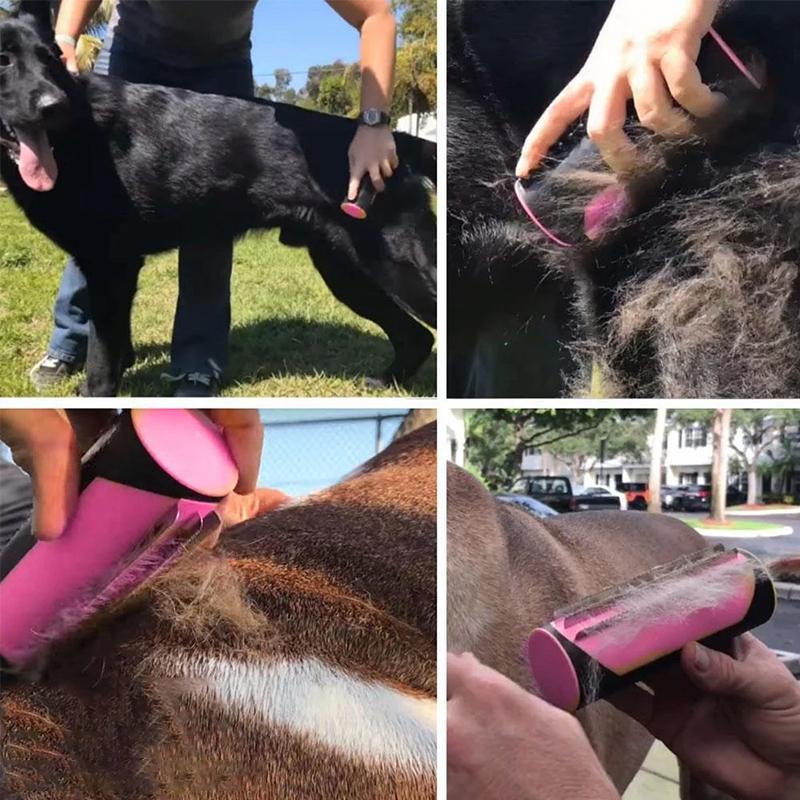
column 507, row 572
column 298, row 660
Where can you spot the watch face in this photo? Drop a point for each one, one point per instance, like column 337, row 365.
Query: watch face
column 372, row 116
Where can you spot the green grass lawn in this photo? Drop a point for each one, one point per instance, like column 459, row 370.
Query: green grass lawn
column 732, row 524
column 290, row 336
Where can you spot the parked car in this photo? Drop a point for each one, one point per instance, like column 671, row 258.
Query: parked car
column 637, row 495
column 557, row 492
column 671, row 497
column 602, row 498
column 529, row 504
column 697, row 497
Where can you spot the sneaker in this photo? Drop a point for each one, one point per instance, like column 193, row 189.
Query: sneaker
column 50, row 370
column 194, row 384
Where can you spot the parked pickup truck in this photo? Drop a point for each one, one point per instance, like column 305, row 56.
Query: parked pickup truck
column 556, row 491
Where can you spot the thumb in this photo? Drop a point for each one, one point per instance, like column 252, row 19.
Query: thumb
column 718, row 673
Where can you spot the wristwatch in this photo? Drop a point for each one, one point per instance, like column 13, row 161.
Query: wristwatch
column 373, row 118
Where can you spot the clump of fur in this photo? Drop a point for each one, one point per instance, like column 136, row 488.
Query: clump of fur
column 202, row 597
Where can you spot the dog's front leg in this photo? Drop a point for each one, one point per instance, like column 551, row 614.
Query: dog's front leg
column 111, row 292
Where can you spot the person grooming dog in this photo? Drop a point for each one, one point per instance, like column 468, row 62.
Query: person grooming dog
column 735, row 721
column 204, row 46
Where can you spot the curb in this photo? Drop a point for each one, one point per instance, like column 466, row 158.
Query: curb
column 787, row 591
column 774, row 512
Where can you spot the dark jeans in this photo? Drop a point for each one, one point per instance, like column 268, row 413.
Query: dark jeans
column 16, row 500
column 203, row 313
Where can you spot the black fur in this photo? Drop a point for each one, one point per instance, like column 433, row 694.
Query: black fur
column 697, row 294
column 143, row 169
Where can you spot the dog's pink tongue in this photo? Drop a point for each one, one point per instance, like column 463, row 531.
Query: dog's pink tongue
column 37, row 166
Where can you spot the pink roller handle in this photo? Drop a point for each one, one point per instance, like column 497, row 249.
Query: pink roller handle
column 109, row 522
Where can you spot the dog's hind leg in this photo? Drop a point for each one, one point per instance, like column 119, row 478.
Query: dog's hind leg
column 412, row 341
column 112, row 286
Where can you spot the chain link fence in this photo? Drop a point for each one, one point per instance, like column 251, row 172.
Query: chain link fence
column 307, row 450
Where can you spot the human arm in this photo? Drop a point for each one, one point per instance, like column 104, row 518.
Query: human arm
column 73, row 17
column 372, row 150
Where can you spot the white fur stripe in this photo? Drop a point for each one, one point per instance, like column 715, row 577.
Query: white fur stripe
column 357, row 718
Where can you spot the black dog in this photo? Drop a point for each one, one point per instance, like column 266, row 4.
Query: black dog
column 696, row 293
column 138, row 169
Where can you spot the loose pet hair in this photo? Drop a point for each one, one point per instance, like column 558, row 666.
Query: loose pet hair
column 694, row 291
column 112, row 171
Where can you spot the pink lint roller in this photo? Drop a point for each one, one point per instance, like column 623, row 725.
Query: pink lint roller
column 622, row 635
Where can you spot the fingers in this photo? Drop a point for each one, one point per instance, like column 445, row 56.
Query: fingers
column 686, row 86
column 43, row 444
column 375, row 177
column 607, row 114
column 653, row 104
column 355, row 182
column 245, row 436
column 758, row 678
column 571, row 102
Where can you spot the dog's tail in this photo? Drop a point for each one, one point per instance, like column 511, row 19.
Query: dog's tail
column 419, row 154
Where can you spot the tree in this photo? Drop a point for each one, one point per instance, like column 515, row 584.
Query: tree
column 497, row 438
column 338, row 94
column 762, row 431
column 656, row 452
column 719, row 463
column 581, row 451
column 415, row 72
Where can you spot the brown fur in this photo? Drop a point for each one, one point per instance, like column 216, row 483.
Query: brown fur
column 346, row 576
column 507, row 572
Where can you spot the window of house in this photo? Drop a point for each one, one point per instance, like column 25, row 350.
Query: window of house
column 693, row 436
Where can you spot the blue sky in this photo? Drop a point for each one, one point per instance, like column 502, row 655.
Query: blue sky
column 296, row 34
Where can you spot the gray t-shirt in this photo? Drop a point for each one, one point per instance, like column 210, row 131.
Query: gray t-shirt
column 185, row 33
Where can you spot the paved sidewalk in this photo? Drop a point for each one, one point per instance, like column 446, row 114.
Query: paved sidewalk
column 658, row 777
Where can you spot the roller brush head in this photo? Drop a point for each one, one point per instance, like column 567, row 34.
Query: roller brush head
column 149, row 489
column 359, row 208
column 622, row 635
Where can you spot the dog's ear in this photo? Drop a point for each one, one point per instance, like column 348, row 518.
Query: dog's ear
column 42, row 13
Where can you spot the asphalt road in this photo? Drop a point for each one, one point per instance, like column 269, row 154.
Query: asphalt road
column 782, row 632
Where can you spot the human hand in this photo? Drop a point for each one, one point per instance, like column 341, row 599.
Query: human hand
column 647, row 51
column 503, row 742
column 69, row 57
column 244, row 434
column 372, row 152
column 43, row 443
column 735, row 722
column 48, row 444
